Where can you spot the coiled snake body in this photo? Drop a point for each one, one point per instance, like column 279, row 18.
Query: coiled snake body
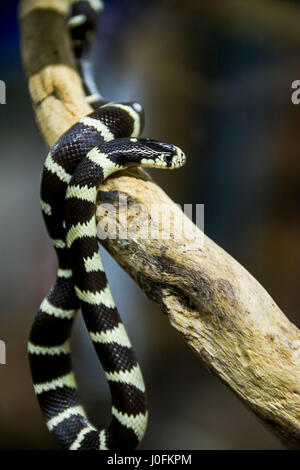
column 100, row 144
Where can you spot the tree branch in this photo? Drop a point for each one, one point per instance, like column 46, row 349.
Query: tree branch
column 223, row 313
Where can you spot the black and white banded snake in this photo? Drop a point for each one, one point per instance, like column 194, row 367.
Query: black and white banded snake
column 105, row 141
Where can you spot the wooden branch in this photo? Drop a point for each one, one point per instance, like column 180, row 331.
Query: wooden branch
column 223, row 313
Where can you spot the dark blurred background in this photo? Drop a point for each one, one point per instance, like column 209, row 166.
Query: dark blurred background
column 215, row 78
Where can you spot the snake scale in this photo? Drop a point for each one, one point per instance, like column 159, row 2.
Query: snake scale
column 105, row 141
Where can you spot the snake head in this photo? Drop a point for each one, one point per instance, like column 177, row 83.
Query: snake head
column 154, row 154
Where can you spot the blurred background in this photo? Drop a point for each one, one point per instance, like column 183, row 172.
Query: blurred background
column 215, row 78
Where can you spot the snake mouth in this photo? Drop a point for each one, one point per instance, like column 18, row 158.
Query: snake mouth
column 175, row 160
column 178, row 159
column 170, row 161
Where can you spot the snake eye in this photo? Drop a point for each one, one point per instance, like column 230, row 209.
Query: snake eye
column 178, row 159
column 168, row 159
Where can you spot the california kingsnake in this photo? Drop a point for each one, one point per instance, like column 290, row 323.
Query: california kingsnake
column 100, row 144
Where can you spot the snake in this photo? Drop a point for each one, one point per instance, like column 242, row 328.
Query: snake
column 98, row 145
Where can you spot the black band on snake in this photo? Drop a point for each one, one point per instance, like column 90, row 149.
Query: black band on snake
column 100, row 144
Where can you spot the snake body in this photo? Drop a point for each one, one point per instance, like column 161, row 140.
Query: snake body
column 82, row 23
column 98, row 145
